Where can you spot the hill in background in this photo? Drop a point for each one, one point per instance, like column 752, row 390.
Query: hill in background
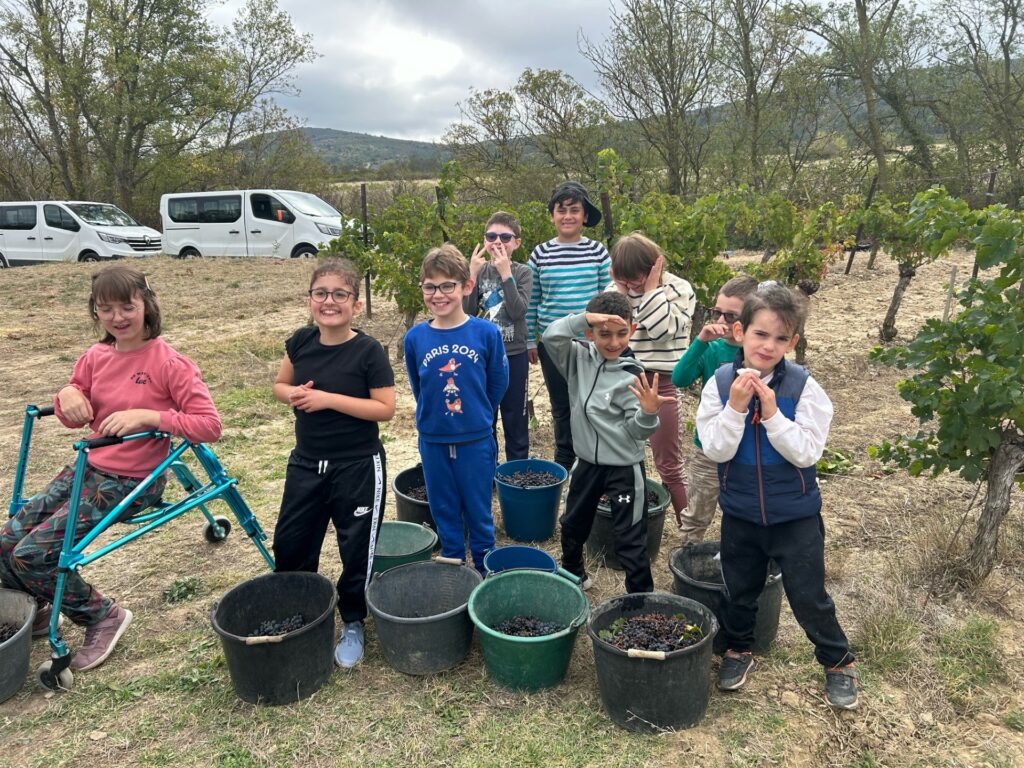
column 349, row 151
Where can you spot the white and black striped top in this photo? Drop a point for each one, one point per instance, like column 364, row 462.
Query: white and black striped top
column 663, row 318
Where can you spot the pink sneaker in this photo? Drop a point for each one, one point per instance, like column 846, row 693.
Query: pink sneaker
column 101, row 638
column 41, row 625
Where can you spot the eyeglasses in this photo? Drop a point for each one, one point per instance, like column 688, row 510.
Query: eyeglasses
column 729, row 317
column 107, row 310
column 505, row 237
column 429, row 289
column 319, row 295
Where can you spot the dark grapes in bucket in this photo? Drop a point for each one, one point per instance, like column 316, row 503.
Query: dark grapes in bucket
column 652, row 632
column 280, row 627
column 529, row 478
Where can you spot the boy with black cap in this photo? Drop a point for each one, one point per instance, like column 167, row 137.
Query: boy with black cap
column 568, row 271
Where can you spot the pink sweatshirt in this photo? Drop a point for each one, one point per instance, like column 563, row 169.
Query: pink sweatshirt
column 154, row 377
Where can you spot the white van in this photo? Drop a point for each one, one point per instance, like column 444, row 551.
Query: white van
column 71, row 230
column 251, row 222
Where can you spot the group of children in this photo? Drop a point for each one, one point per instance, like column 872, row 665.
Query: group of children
column 611, row 333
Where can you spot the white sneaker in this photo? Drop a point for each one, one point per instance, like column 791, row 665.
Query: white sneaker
column 350, row 647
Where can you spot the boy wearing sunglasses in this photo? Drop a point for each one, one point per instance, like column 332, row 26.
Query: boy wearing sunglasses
column 713, row 347
column 501, row 295
column 458, row 374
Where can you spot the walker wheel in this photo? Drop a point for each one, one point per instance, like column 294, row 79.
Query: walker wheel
column 217, row 533
column 60, row 682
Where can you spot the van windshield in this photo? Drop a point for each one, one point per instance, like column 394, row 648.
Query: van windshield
column 310, row 205
column 102, row 214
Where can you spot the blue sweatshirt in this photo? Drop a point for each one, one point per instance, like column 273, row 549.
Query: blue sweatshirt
column 458, row 377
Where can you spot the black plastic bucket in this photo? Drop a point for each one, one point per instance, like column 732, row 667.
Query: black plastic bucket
column 284, row 668
column 408, row 509
column 19, row 610
column 601, row 542
column 419, row 612
column 400, row 543
column 696, row 574
column 653, row 691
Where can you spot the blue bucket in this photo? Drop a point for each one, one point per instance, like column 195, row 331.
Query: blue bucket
column 517, row 557
column 530, row 514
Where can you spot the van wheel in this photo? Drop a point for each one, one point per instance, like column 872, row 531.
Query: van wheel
column 304, row 252
column 190, row 253
column 3, row 262
column 88, row 256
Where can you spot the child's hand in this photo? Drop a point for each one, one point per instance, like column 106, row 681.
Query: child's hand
column 74, row 406
column 476, row 263
column 307, row 399
column 767, row 396
column 609, row 322
column 121, row 423
column 654, row 276
column 742, row 391
column 500, row 260
column 713, row 331
column 647, row 394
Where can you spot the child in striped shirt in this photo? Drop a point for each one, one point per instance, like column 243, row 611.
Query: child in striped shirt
column 568, row 271
column 662, row 307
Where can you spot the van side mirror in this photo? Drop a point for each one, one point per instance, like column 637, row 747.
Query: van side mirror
column 287, row 217
column 72, row 226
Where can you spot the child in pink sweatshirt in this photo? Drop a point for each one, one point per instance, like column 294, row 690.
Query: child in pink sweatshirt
column 131, row 381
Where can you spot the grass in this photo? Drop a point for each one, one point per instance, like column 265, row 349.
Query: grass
column 165, row 696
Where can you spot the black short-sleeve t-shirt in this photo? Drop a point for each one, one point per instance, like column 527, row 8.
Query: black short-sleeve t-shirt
column 352, row 368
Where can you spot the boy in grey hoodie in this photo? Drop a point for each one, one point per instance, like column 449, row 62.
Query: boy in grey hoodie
column 614, row 411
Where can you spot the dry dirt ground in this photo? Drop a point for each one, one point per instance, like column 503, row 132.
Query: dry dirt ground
column 940, row 667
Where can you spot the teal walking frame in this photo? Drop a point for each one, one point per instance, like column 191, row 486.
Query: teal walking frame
column 55, row 673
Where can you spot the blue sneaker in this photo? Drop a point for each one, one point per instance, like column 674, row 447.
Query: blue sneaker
column 350, row 647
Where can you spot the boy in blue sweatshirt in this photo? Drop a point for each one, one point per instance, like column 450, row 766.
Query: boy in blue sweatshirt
column 614, row 411
column 458, row 373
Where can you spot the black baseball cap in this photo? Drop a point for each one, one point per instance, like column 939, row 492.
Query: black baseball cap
column 573, row 190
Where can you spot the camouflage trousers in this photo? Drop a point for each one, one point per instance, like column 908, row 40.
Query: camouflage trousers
column 31, row 541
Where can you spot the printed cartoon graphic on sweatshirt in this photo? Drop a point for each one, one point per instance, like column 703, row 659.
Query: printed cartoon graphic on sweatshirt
column 492, row 306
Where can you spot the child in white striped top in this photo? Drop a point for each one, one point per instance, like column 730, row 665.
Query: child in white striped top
column 663, row 306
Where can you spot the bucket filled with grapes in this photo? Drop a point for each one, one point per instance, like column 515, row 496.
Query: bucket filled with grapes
column 529, row 494
column 277, row 631
column 653, row 657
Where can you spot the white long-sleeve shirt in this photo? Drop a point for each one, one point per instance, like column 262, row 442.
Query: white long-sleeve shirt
column 801, row 441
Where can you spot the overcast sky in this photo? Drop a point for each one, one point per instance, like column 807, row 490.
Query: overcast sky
column 399, row 67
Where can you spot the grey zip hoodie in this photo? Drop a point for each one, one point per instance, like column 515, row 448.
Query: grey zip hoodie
column 608, row 426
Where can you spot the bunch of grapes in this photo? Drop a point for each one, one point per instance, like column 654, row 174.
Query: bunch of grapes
column 417, row 493
column 530, row 479
column 7, row 631
column 652, row 632
column 528, row 626
column 280, row 627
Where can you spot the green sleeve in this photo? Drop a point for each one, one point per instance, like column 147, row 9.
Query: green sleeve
column 689, row 367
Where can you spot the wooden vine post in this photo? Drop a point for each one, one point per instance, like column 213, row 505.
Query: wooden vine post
column 860, row 227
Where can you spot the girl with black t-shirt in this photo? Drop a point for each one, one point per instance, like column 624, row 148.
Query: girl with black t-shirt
column 340, row 384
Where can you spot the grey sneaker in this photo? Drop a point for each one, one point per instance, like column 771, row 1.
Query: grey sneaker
column 101, row 638
column 841, row 687
column 735, row 667
column 350, row 647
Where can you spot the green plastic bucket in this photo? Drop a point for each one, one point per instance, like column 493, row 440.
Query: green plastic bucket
column 527, row 663
column 400, row 543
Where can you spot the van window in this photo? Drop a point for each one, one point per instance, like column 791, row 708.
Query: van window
column 103, row 214
column 58, row 218
column 268, row 207
column 17, row 217
column 220, row 209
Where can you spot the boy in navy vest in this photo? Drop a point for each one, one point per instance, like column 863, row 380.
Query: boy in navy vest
column 765, row 422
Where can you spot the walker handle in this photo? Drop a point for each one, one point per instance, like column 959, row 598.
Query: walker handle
column 636, row 653
column 39, row 412
column 263, row 639
column 449, row 560
column 102, row 442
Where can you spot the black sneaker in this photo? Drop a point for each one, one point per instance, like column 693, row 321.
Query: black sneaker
column 841, row 687
column 732, row 674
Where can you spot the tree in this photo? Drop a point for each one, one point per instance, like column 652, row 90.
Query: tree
column 968, row 389
column 657, row 68
column 987, row 44
column 854, row 36
column 755, row 48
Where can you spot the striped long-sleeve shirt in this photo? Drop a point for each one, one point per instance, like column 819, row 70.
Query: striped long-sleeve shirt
column 663, row 319
column 565, row 277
